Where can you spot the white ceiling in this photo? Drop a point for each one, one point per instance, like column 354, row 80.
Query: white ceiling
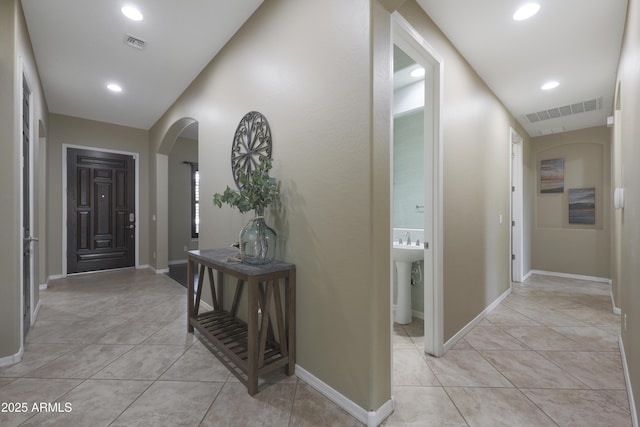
column 576, row 42
column 79, row 48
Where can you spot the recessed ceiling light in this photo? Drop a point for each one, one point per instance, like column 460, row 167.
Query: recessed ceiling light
column 526, row 11
column 550, row 85
column 418, row 72
column 132, row 13
column 113, row 87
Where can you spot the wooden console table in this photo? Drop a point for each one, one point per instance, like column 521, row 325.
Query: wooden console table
column 252, row 346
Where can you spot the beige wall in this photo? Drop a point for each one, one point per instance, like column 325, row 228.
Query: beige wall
column 9, row 187
column 629, row 128
column 87, row 133
column 184, row 150
column 558, row 246
column 476, row 183
column 307, row 67
column 16, row 59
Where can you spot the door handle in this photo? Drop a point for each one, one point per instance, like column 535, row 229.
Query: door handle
column 130, row 226
column 31, row 239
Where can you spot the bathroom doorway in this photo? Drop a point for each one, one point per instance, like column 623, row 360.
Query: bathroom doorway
column 416, row 190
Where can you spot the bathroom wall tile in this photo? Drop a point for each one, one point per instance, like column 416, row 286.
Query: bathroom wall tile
column 582, row 407
column 497, row 407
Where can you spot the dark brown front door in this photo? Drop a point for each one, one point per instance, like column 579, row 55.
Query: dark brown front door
column 101, row 213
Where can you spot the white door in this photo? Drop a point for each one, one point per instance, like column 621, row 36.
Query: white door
column 516, row 208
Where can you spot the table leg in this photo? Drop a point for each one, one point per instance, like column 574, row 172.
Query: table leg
column 191, row 266
column 290, row 308
column 252, row 338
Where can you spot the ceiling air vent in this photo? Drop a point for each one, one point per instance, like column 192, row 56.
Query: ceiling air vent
column 566, row 110
column 134, row 42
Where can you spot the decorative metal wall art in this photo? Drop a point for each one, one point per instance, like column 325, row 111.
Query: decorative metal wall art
column 251, row 141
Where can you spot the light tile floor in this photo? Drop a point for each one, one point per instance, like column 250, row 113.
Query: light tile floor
column 114, row 347
column 548, row 355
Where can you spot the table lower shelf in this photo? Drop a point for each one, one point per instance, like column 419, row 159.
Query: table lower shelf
column 229, row 335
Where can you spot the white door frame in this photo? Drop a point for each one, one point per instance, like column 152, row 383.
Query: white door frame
column 412, row 43
column 517, row 229
column 136, row 159
column 24, row 78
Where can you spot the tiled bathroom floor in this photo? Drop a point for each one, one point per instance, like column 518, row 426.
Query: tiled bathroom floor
column 114, row 347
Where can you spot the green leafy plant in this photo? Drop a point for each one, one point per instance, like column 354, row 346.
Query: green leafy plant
column 257, row 191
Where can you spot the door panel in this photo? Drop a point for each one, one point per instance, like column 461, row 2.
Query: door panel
column 26, row 212
column 101, row 210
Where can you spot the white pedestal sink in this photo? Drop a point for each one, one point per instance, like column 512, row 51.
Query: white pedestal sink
column 403, row 256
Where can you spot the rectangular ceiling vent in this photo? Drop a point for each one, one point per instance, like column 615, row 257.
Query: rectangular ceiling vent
column 134, row 42
column 567, row 110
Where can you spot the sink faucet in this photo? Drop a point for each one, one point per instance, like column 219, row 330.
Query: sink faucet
column 407, row 236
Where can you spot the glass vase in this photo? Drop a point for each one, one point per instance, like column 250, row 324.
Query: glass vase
column 257, row 241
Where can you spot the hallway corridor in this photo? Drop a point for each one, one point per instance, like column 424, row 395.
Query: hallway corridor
column 114, row 346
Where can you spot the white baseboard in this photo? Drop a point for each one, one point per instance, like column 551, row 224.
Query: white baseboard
column 469, row 326
column 12, row 360
column 34, row 316
column 625, row 368
column 43, row 287
column 54, row 277
column 616, row 310
column 414, row 313
column 572, row 276
column 370, row 418
column 142, row 267
column 526, row 276
column 158, row 270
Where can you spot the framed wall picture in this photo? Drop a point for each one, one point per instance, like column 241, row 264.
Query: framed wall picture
column 552, row 176
column 582, row 206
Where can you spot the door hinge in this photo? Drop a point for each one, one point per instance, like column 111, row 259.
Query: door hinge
column 513, row 257
column 513, row 188
column 513, row 223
